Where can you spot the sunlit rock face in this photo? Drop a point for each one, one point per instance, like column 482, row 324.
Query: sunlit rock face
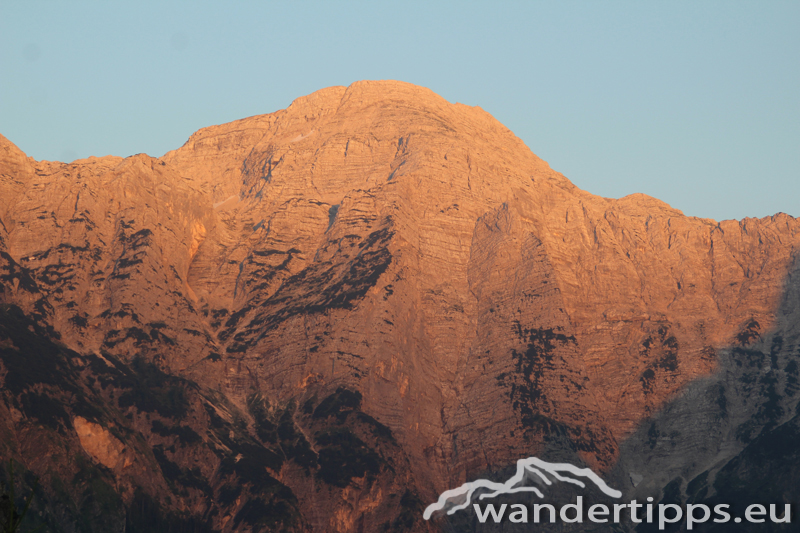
column 408, row 261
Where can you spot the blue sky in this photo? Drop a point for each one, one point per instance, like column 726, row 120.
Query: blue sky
column 695, row 103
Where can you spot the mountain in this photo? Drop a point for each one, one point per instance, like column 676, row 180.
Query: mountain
column 323, row 317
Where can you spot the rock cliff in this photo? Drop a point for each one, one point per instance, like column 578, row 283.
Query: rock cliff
column 366, row 298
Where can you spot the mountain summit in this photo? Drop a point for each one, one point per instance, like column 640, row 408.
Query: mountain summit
column 324, row 316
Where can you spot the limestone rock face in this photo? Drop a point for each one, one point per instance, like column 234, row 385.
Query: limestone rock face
column 100, row 443
column 381, row 240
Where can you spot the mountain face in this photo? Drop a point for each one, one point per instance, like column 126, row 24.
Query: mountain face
column 321, row 318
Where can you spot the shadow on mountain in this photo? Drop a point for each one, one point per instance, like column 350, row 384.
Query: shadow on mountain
column 729, row 438
column 109, row 445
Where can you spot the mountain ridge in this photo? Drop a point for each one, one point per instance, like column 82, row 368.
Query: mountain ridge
column 379, row 240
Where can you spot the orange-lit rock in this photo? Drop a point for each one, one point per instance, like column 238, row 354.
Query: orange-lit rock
column 100, row 444
column 379, row 238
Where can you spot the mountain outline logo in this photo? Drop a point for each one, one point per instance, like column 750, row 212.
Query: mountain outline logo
column 530, row 468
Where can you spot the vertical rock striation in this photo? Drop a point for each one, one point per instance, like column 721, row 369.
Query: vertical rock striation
column 457, row 303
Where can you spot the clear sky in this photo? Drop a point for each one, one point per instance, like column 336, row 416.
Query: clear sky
column 695, row 103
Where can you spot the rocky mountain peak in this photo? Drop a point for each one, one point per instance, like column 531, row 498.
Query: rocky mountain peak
column 376, row 269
